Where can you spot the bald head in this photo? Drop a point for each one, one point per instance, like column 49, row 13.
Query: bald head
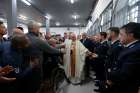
column 17, row 31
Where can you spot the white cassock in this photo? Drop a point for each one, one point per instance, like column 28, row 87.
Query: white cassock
column 79, row 61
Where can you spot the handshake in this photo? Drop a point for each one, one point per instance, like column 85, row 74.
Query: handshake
column 63, row 50
column 91, row 55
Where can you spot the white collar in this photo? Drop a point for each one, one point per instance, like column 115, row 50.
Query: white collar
column 103, row 41
column 84, row 39
column 131, row 43
column 114, row 41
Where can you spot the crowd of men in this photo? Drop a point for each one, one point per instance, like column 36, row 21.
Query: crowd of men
column 115, row 59
column 26, row 60
column 21, row 59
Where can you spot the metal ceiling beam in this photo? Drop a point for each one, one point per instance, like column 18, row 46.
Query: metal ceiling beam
column 34, row 6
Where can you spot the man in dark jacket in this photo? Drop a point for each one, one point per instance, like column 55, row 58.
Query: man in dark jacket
column 12, row 54
column 38, row 46
column 114, row 51
column 87, row 42
column 7, row 69
column 99, row 56
column 127, row 78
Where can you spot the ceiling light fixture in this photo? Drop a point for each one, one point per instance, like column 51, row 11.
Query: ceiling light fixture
column 26, row 2
column 48, row 16
column 57, row 24
column 76, row 24
column 75, row 16
column 72, row 1
column 22, row 17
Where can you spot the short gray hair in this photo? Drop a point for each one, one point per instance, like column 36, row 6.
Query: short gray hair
column 31, row 25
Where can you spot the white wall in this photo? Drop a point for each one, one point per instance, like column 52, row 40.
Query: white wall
column 24, row 27
column 61, row 30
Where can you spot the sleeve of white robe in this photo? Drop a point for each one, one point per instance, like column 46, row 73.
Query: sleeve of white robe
column 67, row 58
column 80, row 58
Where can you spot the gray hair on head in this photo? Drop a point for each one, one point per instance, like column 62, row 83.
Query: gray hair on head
column 31, row 25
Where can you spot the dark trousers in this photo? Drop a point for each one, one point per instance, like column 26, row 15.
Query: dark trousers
column 123, row 88
column 31, row 83
column 12, row 87
column 87, row 67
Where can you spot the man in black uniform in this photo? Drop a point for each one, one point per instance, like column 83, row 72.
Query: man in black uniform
column 113, row 52
column 100, row 56
column 127, row 76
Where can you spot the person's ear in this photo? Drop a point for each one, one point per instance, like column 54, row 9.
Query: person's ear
column 130, row 35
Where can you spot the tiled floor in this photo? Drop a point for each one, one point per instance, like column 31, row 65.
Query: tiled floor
column 86, row 88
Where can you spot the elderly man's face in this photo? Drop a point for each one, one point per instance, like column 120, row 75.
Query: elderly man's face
column 84, row 36
column 73, row 37
column 65, row 34
column 36, row 29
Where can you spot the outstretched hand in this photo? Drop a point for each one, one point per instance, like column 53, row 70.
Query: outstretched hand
column 88, row 53
column 109, row 82
column 94, row 55
column 6, row 80
column 63, row 51
column 6, row 70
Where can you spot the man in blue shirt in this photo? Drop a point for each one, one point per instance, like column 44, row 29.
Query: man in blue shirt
column 12, row 54
column 2, row 32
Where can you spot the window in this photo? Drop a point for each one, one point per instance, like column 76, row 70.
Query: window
column 106, row 16
column 133, row 10
column 133, row 14
column 133, row 2
column 121, row 17
column 129, row 13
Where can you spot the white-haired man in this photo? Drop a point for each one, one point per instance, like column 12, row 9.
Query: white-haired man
column 74, row 59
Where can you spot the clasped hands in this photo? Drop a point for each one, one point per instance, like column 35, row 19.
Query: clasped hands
column 5, row 71
column 109, row 82
column 91, row 55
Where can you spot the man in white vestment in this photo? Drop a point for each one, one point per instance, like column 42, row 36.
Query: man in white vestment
column 74, row 59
